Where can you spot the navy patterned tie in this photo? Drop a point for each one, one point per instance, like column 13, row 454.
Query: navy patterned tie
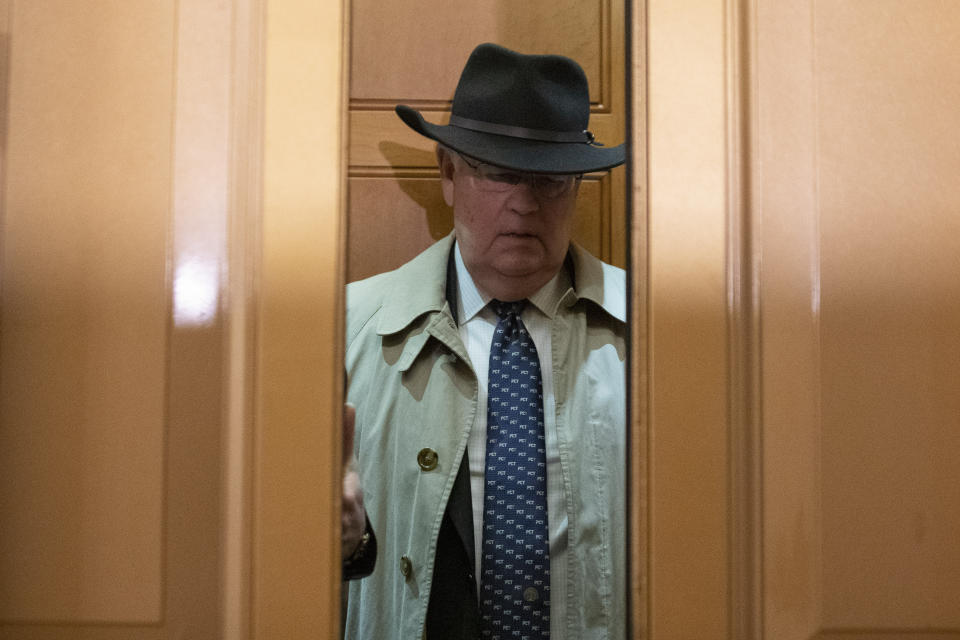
column 515, row 568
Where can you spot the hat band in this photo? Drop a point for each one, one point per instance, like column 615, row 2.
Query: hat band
column 543, row 135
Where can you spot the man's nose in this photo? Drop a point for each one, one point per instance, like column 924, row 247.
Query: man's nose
column 523, row 199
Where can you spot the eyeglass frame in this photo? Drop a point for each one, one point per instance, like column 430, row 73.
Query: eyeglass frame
column 483, row 179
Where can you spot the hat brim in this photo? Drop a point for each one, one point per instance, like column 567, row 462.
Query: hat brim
column 519, row 154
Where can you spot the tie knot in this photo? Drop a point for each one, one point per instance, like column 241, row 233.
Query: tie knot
column 505, row 310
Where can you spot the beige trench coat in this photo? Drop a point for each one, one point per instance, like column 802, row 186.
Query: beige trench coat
column 414, row 388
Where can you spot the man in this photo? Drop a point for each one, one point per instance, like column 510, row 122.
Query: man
column 488, row 380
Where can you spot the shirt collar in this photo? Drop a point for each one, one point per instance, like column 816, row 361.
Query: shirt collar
column 470, row 300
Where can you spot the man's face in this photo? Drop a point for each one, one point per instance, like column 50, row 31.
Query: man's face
column 514, row 241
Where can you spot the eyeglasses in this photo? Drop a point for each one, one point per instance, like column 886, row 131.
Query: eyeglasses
column 487, row 177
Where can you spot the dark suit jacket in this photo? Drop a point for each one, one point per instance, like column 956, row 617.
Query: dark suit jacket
column 453, row 613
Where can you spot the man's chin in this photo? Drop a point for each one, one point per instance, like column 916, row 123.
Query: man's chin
column 521, row 280
column 520, row 268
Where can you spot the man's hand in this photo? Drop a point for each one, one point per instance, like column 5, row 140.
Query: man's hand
column 352, row 518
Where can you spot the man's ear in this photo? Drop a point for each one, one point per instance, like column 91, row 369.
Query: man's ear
column 447, row 169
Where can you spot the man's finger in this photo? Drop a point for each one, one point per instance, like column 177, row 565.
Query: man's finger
column 349, row 418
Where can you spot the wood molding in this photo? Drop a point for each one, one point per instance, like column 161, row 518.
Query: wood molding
column 246, row 157
column 688, row 343
column 743, row 272
column 296, row 476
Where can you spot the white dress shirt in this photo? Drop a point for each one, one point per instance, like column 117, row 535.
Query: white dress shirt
column 477, row 324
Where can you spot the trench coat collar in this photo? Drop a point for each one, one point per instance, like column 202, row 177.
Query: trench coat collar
column 420, row 286
column 602, row 284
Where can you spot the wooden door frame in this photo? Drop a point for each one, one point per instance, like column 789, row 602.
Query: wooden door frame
column 300, row 291
column 298, row 300
column 293, row 577
column 696, row 444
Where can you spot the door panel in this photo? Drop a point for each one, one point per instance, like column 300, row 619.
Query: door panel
column 84, row 313
column 112, row 353
column 415, row 51
column 877, row 528
column 838, row 408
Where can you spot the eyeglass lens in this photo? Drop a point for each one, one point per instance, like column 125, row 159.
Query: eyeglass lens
column 492, row 178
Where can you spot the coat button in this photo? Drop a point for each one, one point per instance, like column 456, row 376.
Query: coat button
column 406, row 566
column 427, row 459
column 530, row 594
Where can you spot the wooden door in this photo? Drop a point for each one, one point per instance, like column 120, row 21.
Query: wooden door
column 169, row 386
column 803, row 420
column 861, row 341
column 412, row 53
column 113, row 357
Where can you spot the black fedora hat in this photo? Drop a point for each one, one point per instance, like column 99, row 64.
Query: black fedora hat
column 521, row 112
